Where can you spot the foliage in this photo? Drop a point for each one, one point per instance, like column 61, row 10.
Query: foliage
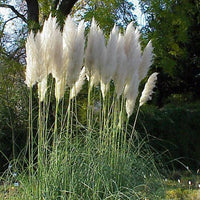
column 177, row 194
column 106, row 13
column 176, row 126
column 184, row 186
column 13, row 110
column 174, row 28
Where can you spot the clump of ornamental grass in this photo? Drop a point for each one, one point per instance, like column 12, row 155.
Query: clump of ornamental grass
column 91, row 161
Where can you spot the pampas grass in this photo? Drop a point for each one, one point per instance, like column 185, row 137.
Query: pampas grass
column 35, row 70
column 146, row 62
column 148, row 89
column 121, row 67
column 78, row 85
column 95, row 54
column 109, row 67
column 73, row 48
column 89, row 160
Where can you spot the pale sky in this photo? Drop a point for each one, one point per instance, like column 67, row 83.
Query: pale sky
column 137, row 11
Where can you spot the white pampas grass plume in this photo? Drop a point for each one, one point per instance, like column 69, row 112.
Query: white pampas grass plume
column 100, row 53
column 78, row 85
column 131, row 93
column 132, row 50
column 109, row 67
column 60, row 88
column 42, row 89
column 95, row 53
column 146, row 62
column 91, row 47
column 130, row 104
column 130, row 40
column 73, row 50
column 35, row 69
column 148, row 89
column 57, row 66
column 121, row 70
column 31, row 64
column 104, row 88
column 48, row 34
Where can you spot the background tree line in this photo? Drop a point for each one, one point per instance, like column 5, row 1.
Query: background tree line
column 173, row 27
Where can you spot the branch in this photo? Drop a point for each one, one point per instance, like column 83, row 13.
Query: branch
column 4, row 25
column 14, row 10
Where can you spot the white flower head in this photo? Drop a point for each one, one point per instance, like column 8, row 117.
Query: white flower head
column 148, row 89
column 132, row 50
column 42, row 89
column 35, row 69
column 95, row 54
column 73, row 49
column 121, row 67
column 109, row 68
column 48, row 41
column 131, row 93
column 146, row 62
column 78, row 85
column 60, row 88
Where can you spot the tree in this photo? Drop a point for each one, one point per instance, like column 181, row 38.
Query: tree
column 174, row 27
column 106, row 13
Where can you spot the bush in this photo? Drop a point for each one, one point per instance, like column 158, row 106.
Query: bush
column 177, row 129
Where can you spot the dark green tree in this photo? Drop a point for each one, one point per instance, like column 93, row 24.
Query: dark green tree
column 174, row 27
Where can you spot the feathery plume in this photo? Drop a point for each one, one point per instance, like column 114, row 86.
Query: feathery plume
column 78, row 85
column 100, row 53
column 95, row 53
column 130, row 104
column 148, row 89
column 73, row 50
column 57, row 66
column 131, row 94
column 121, row 70
column 132, row 50
column 146, row 62
column 31, row 76
column 60, row 88
column 35, row 69
column 42, row 89
column 104, row 88
column 108, row 68
column 48, row 44
column 91, row 47
column 111, row 56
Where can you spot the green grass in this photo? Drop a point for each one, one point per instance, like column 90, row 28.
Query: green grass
column 183, row 185
column 78, row 174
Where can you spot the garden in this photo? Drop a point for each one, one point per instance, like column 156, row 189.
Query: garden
column 95, row 105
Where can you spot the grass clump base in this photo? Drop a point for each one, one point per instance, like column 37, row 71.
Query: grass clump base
column 101, row 173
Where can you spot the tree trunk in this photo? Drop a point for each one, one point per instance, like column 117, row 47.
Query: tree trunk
column 63, row 9
column 66, row 6
column 33, row 14
column 33, row 11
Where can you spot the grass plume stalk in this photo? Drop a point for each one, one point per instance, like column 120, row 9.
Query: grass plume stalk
column 92, row 161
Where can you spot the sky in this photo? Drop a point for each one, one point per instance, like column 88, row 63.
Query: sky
column 138, row 13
